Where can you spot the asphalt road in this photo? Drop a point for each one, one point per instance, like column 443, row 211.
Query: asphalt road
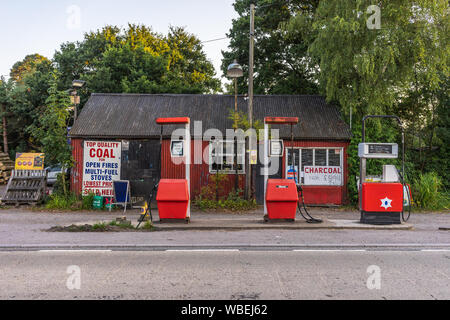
column 24, row 227
column 235, row 275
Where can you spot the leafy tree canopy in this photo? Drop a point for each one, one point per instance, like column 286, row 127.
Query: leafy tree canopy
column 399, row 67
column 368, row 69
column 137, row 60
column 282, row 65
column 25, row 67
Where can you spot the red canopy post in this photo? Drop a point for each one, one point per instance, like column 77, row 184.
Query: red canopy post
column 173, row 209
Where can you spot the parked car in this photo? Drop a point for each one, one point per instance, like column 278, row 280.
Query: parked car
column 52, row 174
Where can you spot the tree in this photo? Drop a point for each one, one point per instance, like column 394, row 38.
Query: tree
column 22, row 98
column 137, row 60
column 282, row 64
column 395, row 69
column 190, row 70
column 367, row 70
column 128, row 70
column 52, row 131
column 27, row 66
column 26, row 105
column 3, row 104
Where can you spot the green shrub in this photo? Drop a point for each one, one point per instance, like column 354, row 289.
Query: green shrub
column 62, row 202
column 58, row 188
column 122, row 225
column 148, row 226
column 87, row 202
column 71, row 201
column 99, row 226
column 428, row 192
column 234, row 201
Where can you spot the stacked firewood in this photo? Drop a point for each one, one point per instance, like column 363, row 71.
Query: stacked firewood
column 6, row 166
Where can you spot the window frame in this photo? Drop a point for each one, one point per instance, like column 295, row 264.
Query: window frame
column 233, row 171
column 302, row 177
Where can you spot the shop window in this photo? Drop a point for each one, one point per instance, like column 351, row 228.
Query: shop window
column 222, row 157
column 309, row 157
column 320, row 158
column 334, row 157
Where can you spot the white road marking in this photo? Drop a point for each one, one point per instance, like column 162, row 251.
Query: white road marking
column 73, row 251
column 203, row 250
column 435, row 250
column 328, row 250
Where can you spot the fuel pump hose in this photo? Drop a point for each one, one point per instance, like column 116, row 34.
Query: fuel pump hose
column 309, row 218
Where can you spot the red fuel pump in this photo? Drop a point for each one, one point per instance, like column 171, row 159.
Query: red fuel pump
column 173, row 194
column 282, row 195
column 382, row 199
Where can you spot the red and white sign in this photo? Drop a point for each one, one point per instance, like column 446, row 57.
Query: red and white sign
column 323, row 176
column 101, row 166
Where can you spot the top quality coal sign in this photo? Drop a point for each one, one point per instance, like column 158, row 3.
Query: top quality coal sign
column 101, row 166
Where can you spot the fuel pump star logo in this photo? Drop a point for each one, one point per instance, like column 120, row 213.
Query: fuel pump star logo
column 386, row 203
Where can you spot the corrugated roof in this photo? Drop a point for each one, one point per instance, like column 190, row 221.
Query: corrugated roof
column 129, row 116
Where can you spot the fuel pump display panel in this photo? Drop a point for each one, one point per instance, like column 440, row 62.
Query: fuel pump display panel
column 378, row 150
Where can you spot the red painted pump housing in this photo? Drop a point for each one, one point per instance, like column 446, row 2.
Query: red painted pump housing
column 173, row 199
column 281, row 199
column 381, row 203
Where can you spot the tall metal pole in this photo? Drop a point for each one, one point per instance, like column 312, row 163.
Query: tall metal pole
column 236, row 179
column 250, row 97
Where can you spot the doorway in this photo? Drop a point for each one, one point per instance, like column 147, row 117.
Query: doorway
column 140, row 165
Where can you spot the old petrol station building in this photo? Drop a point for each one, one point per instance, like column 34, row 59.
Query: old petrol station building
column 120, row 130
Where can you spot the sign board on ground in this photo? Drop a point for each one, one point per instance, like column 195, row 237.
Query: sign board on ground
column 29, row 161
column 101, row 166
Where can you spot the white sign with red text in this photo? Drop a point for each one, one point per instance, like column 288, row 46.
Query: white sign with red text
column 101, row 166
column 323, row 176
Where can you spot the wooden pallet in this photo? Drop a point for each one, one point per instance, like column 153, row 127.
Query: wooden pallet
column 6, row 166
column 26, row 187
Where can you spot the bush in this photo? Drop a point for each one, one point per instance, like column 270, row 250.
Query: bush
column 58, row 188
column 60, row 201
column 87, row 202
column 234, row 202
column 428, row 192
column 70, row 202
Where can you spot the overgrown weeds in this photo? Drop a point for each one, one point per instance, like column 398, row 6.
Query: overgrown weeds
column 233, row 202
column 429, row 194
column 69, row 202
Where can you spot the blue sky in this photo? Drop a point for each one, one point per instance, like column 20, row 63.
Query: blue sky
column 29, row 26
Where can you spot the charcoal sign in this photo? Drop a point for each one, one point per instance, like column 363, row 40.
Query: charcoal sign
column 323, row 176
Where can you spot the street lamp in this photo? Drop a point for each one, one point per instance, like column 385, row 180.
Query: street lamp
column 78, row 84
column 74, row 97
column 235, row 71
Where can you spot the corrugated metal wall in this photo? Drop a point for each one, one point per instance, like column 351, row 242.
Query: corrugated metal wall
column 200, row 176
column 323, row 195
column 77, row 170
